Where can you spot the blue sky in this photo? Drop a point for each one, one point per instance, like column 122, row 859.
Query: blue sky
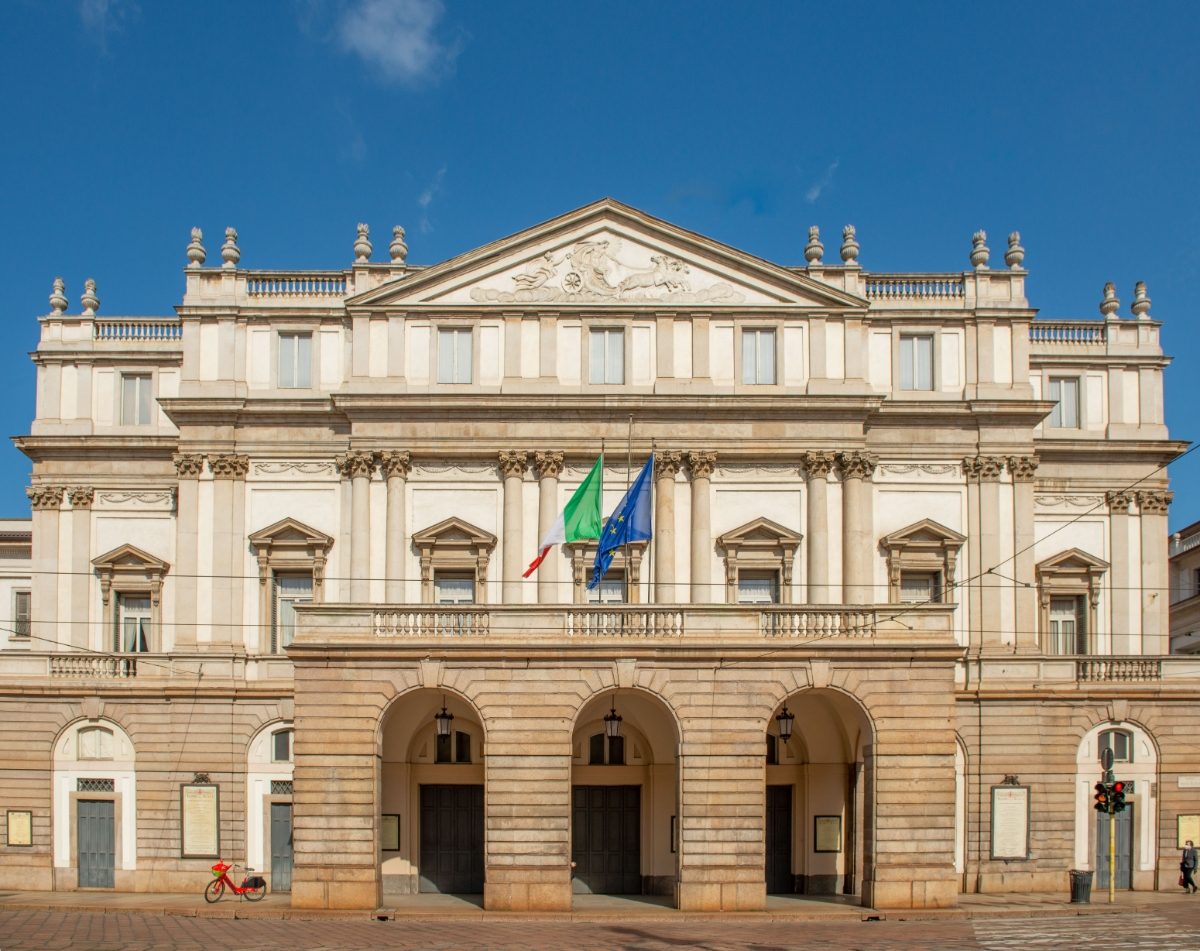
column 128, row 123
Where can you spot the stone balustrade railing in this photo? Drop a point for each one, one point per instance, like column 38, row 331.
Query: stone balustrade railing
column 183, row 666
column 1068, row 333
column 92, row 666
column 1119, row 670
column 137, row 329
column 294, row 284
column 331, row 624
column 1018, row 672
column 933, row 289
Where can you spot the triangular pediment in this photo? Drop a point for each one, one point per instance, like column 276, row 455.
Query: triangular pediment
column 1073, row 559
column 129, row 557
column 602, row 254
column 290, row 532
column 760, row 532
column 454, row 531
column 925, row 533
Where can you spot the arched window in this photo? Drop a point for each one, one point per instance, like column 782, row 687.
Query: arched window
column 95, row 742
column 1120, row 742
column 281, row 746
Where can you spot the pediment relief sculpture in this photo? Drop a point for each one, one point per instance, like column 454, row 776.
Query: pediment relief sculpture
column 597, row 271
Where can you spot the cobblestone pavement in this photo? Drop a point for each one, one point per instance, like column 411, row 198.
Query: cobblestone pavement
column 1177, row 930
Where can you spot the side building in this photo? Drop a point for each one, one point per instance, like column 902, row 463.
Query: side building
column 908, row 578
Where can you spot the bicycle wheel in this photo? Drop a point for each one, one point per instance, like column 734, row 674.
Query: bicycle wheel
column 255, row 894
column 214, row 890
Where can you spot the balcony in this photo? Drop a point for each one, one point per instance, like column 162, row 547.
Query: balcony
column 94, row 668
column 1079, row 672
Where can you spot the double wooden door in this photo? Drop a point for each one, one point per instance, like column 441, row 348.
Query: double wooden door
column 451, row 854
column 606, row 839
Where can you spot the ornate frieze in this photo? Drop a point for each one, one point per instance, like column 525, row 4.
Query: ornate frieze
column 81, row 496
column 1118, row 502
column 44, row 498
column 299, row 468
column 919, row 470
column 356, row 465
column 1022, row 468
column 667, row 463
column 856, row 465
column 548, row 464
column 395, row 463
column 164, row 498
column 983, row 468
column 1051, row 502
column 229, row 465
column 188, row 465
column 817, row 464
column 1154, row 502
column 701, row 463
column 513, row 463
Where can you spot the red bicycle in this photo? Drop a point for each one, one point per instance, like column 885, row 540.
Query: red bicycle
column 253, row 887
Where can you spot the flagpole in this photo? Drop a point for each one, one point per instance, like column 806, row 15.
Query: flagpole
column 653, row 587
column 628, row 477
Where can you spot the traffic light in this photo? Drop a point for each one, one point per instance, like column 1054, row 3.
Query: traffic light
column 1118, row 796
column 1102, row 798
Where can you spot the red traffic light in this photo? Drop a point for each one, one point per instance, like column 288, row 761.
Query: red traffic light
column 1118, row 787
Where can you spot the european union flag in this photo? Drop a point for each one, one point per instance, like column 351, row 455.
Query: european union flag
column 629, row 522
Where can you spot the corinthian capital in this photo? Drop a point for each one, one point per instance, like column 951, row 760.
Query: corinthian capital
column 983, row 468
column 395, row 463
column 548, row 464
column 1118, row 502
column 188, row 465
column 229, row 465
column 701, row 463
column 356, row 465
column 44, row 498
column 81, row 496
column 817, row 464
column 513, row 463
column 856, row 465
column 667, row 463
column 1022, row 467
column 1154, row 502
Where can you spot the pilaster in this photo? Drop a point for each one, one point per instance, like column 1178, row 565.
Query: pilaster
column 1152, row 512
column 46, row 500
column 358, row 468
column 817, row 466
column 983, row 474
column 1123, row 634
column 395, row 465
column 81, row 498
column 858, row 522
column 667, row 464
column 547, row 466
column 700, row 466
column 188, row 469
column 513, row 464
column 229, row 545
column 1025, row 607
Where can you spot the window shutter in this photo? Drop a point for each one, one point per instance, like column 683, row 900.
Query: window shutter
column 616, row 357
column 906, row 363
column 304, row 360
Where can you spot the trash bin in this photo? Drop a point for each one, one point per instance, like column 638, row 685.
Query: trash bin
column 1081, row 887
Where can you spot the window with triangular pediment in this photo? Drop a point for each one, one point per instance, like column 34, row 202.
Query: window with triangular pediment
column 131, row 583
column 453, row 554
column 758, row 562
column 922, row 559
column 291, row 571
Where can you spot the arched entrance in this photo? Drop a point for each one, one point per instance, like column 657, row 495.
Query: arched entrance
column 624, row 796
column 818, row 758
column 1135, row 762
column 431, row 802
column 269, row 804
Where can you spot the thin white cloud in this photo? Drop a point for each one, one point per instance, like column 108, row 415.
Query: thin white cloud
column 103, row 18
column 425, row 199
column 396, row 38
column 822, row 183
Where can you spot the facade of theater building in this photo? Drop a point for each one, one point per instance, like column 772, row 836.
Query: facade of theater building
column 908, row 578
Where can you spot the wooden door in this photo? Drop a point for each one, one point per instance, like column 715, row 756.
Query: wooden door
column 451, row 851
column 95, row 843
column 1124, row 849
column 606, row 839
column 780, row 879
column 281, row 847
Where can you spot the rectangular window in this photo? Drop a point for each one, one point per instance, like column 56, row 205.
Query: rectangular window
column 453, row 587
column 21, row 611
column 135, row 399
column 1065, row 393
column 920, row 587
column 281, row 751
column 611, row 590
column 290, row 590
column 295, row 361
column 616, row 751
column 133, row 624
column 916, row 361
column 1068, row 632
column 758, row 587
column 454, row 355
column 758, row 356
column 441, row 748
column 462, row 747
column 596, row 749
column 607, row 356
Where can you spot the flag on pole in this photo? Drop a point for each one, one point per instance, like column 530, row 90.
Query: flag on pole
column 579, row 520
column 629, row 522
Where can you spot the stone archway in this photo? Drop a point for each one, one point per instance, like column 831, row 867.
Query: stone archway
column 431, row 795
column 817, row 829
column 624, row 796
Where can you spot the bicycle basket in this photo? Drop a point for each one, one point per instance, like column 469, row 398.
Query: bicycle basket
column 220, row 869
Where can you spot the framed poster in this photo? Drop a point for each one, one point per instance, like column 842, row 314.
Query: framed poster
column 827, row 833
column 389, row 833
column 1010, row 822
column 1186, row 827
column 20, row 827
column 199, row 825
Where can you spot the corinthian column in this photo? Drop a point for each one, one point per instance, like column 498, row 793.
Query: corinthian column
column 395, row 466
column 357, row 467
column 512, row 466
column 547, row 466
column 1125, row 635
column 858, row 522
column 81, row 498
column 188, row 467
column 46, row 500
column 701, row 465
column 816, row 467
column 229, row 546
column 666, row 465
column 983, row 474
column 1025, row 604
column 1152, row 512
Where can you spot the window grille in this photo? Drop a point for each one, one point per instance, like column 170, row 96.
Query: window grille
column 95, row 785
column 281, row 787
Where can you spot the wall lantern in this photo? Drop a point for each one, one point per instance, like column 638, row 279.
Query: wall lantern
column 443, row 720
column 612, row 722
column 785, row 720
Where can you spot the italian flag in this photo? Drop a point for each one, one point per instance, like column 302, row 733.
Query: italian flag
column 580, row 519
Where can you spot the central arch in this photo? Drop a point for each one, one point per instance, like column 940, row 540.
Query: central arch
column 431, row 795
column 817, row 823
column 624, row 796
